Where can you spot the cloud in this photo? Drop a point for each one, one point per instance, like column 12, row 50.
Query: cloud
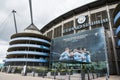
column 47, row 10
column 43, row 12
column 3, row 42
column 3, row 50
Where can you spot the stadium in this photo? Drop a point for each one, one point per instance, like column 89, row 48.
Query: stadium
column 28, row 48
column 89, row 17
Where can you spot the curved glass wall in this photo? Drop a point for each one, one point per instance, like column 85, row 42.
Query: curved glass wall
column 118, row 30
column 118, row 42
column 117, row 17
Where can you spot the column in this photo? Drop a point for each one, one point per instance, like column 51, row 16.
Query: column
column 89, row 16
column 112, row 38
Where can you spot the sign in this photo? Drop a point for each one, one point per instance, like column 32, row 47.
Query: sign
column 85, row 25
column 81, row 19
column 94, row 42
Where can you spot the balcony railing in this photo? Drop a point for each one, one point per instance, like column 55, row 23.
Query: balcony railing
column 30, row 39
column 25, row 60
column 30, row 45
column 28, row 52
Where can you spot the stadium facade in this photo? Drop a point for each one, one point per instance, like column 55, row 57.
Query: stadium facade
column 87, row 17
column 29, row 48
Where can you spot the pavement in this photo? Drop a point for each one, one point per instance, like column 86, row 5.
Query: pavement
column 7, row 76
column 10, row 76
column 112, row 77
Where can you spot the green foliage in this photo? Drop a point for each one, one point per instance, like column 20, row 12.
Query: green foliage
column 83, row 67
column 63, row 70
column 18, row 70
column 53, row 70
column 39, row 69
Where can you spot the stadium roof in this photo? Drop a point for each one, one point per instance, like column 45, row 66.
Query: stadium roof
column 32, row 27
column 89, row 6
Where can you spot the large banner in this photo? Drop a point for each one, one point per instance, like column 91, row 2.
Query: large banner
column 85, row 46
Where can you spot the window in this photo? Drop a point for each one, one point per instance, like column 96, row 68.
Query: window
column 100, row 19
column 57, row 31
column 111, row 15
column 68, row 28
column 49, row 34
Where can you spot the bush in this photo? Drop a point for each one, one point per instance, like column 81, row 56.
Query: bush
column 18, row 70
column 70, row 72
column 54, row 72
column 63, row 72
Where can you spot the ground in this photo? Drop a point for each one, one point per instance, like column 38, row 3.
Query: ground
column 6, row 76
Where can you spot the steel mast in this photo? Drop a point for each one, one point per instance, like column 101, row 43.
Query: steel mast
column 15, row 21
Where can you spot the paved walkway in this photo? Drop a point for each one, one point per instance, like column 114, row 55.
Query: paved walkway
column 6, row 76
column 112, row 77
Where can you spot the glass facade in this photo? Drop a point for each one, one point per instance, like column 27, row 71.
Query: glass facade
column 49, row 34
column 111, row 15
column 98, row 19
column 100, row 16
column 68, row 28
column 57, row 31
column 116, row 25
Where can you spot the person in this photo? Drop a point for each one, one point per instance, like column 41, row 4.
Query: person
column 82, row 54
column 87, row 55
column 77, row 55
column 65, row 55
column 71, row 55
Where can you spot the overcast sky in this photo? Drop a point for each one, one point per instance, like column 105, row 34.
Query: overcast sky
column 43, row 12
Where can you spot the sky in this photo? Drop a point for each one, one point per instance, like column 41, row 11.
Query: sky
column 44, row 11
